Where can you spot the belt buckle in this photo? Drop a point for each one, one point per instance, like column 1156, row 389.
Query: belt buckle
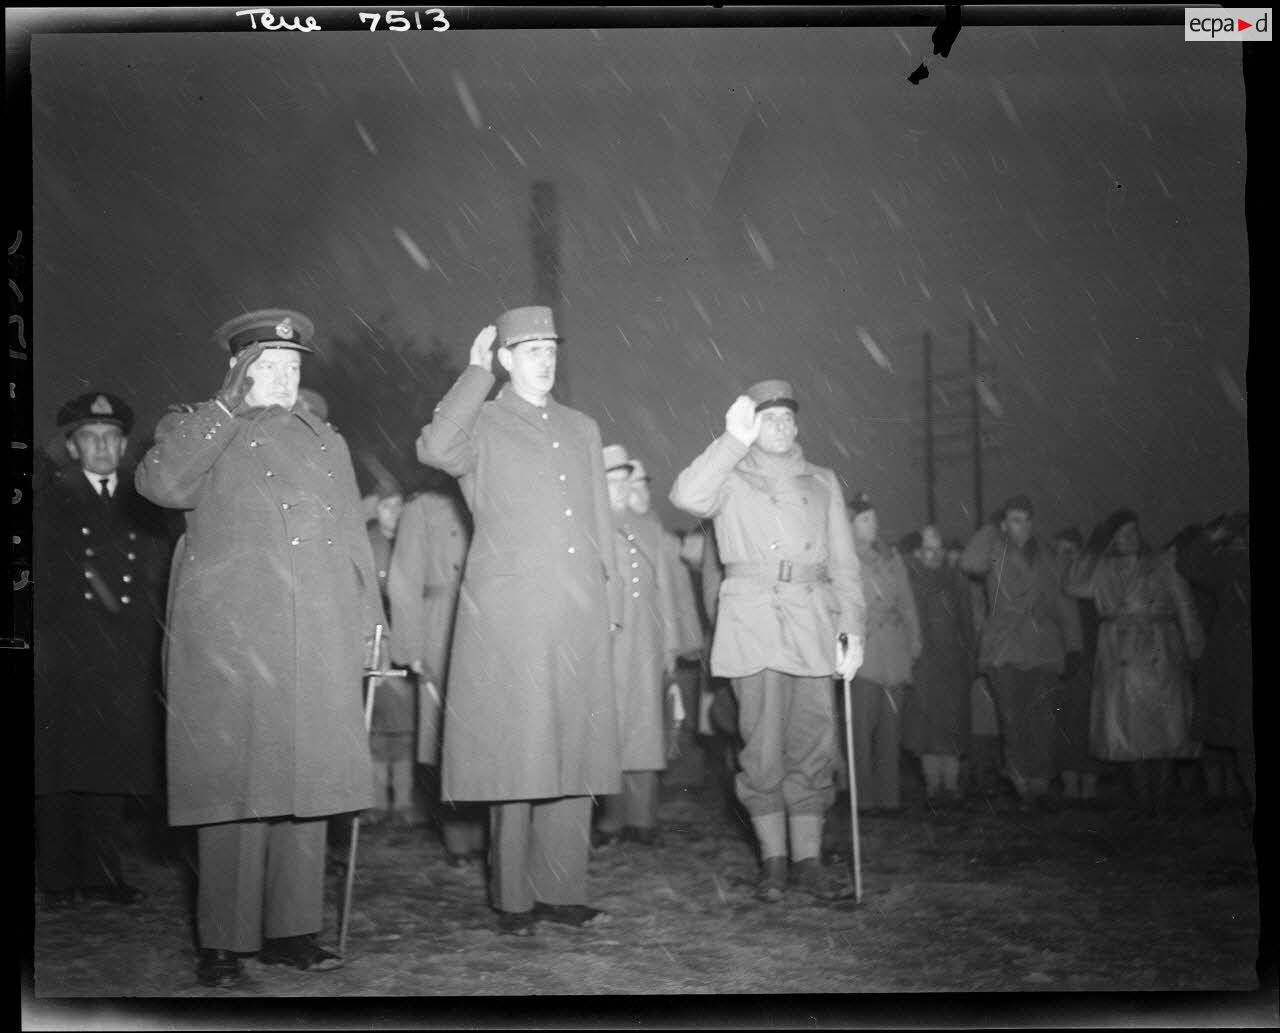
column 784, row 570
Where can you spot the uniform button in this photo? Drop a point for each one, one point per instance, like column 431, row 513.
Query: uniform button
column 545, row 416
column 773, row 545
column 632, row 551
column 634, row 565
column 324, row 448
column 562, row 477
column 568, row 512
column 635, row 595
column 124, row 599
column 127, row 579
column 253, row 444
column 133, row 536
column 284, row 505
column 270, row 474
column 89, row 574
column 133, row 555
column 88, row 552
column 330, row 473
column 329, row 541
column 635, row 581
column 631, row 538
column 555, row 444
column 88, row 595
column 328, row 509
column 295, row 541
column 84, row 530
column 572, row 550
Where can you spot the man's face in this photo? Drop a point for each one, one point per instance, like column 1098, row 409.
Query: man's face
column 777, row 430
column 1127, row 540
column 276, row 374
column 389, row 510
column 619, row 488
column 931, row 551
column 532, row 365
column 98, row 448
column 639, row 499
column 1017, row 525
column 866, row 525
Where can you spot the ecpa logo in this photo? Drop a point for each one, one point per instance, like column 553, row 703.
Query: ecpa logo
column 1235, row 24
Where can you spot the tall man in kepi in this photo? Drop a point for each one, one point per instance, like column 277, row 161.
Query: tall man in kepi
column 530, row 717
column 791, row 586
column 273, row 598
column 100, row 561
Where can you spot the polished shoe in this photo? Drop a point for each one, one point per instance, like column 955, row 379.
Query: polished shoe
column 570, row 914
column 773, row 880
column 516, row 923
column 116, row 893
column 218, row 968
column 808, row 876
column 58, row 900
column 302, row 952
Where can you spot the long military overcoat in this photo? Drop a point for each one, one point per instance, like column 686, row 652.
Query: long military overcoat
column 1030, row 621
column 426, row 573
column 893, row 625
column 936, row 714
column 769, row 509
column 530, row 712
column 645, row 648
column 272, row 596
column 99, row 609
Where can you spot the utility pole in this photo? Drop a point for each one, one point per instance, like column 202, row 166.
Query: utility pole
column 979, row 510
column 930, row 506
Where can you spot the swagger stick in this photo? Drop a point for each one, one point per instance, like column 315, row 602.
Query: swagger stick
column 371, row 675
column 842, row 649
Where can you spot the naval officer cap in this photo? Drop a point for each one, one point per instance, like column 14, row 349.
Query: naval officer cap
column 616, row 458
column 94, row 407
column 275, row 327
column 769, row 393
column 530, row 323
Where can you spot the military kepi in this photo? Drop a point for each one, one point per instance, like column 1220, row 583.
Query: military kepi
column 531, row 323
column 616, row 458
column 769, row 393
column 277, row 327
column 94, row 407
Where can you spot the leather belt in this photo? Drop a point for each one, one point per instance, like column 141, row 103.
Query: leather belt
column 784, row 570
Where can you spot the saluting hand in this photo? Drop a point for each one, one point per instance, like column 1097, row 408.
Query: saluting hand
column 482, row 348
column 238, row 383
column 742, row 420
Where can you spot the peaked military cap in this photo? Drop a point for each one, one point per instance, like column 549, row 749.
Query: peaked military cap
column 279, row 327
column 94, row 407
column 616, row 458
column 531, row 323
column 769, row 393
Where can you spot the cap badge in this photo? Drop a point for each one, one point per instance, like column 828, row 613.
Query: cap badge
column 101, row 406
column 284, row 329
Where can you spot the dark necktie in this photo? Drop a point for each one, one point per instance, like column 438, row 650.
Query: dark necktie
column 103, row 490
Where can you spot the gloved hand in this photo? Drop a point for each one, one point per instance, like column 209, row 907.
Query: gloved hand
column 1071, row 666
column 238, row 383
column 849, row 659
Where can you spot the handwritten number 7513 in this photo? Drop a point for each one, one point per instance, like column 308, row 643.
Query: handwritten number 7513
column 398, row 22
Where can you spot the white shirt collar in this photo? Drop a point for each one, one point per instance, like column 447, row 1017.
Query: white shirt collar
column 95, row 481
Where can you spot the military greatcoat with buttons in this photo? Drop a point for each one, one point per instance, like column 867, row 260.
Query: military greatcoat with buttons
column 99, row 605
column 272, row 595
column 530, row 711
column 791, row 573
column 646, row 647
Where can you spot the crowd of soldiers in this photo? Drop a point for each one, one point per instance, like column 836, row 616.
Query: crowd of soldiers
column 546, row 652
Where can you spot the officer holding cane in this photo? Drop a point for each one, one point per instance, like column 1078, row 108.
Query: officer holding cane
column 273, row 594
column 791, row 586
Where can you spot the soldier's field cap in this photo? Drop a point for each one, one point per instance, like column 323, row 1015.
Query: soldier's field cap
column 94, row 407
column 1018, row 503
column 769, row 393
column 860, row 503
column 278, row 327
column 531, row 323
column 616, row 458
column 638, row 472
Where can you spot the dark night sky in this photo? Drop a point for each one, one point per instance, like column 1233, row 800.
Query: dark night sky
column 735, row 204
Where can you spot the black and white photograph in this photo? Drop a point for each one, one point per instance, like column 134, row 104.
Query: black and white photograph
column 699, row 516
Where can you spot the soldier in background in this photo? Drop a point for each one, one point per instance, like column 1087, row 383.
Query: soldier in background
column 426, row 573
column 100, row 563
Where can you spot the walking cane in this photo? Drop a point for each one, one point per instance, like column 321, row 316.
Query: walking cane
column 841, row 652
column 371, row 676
